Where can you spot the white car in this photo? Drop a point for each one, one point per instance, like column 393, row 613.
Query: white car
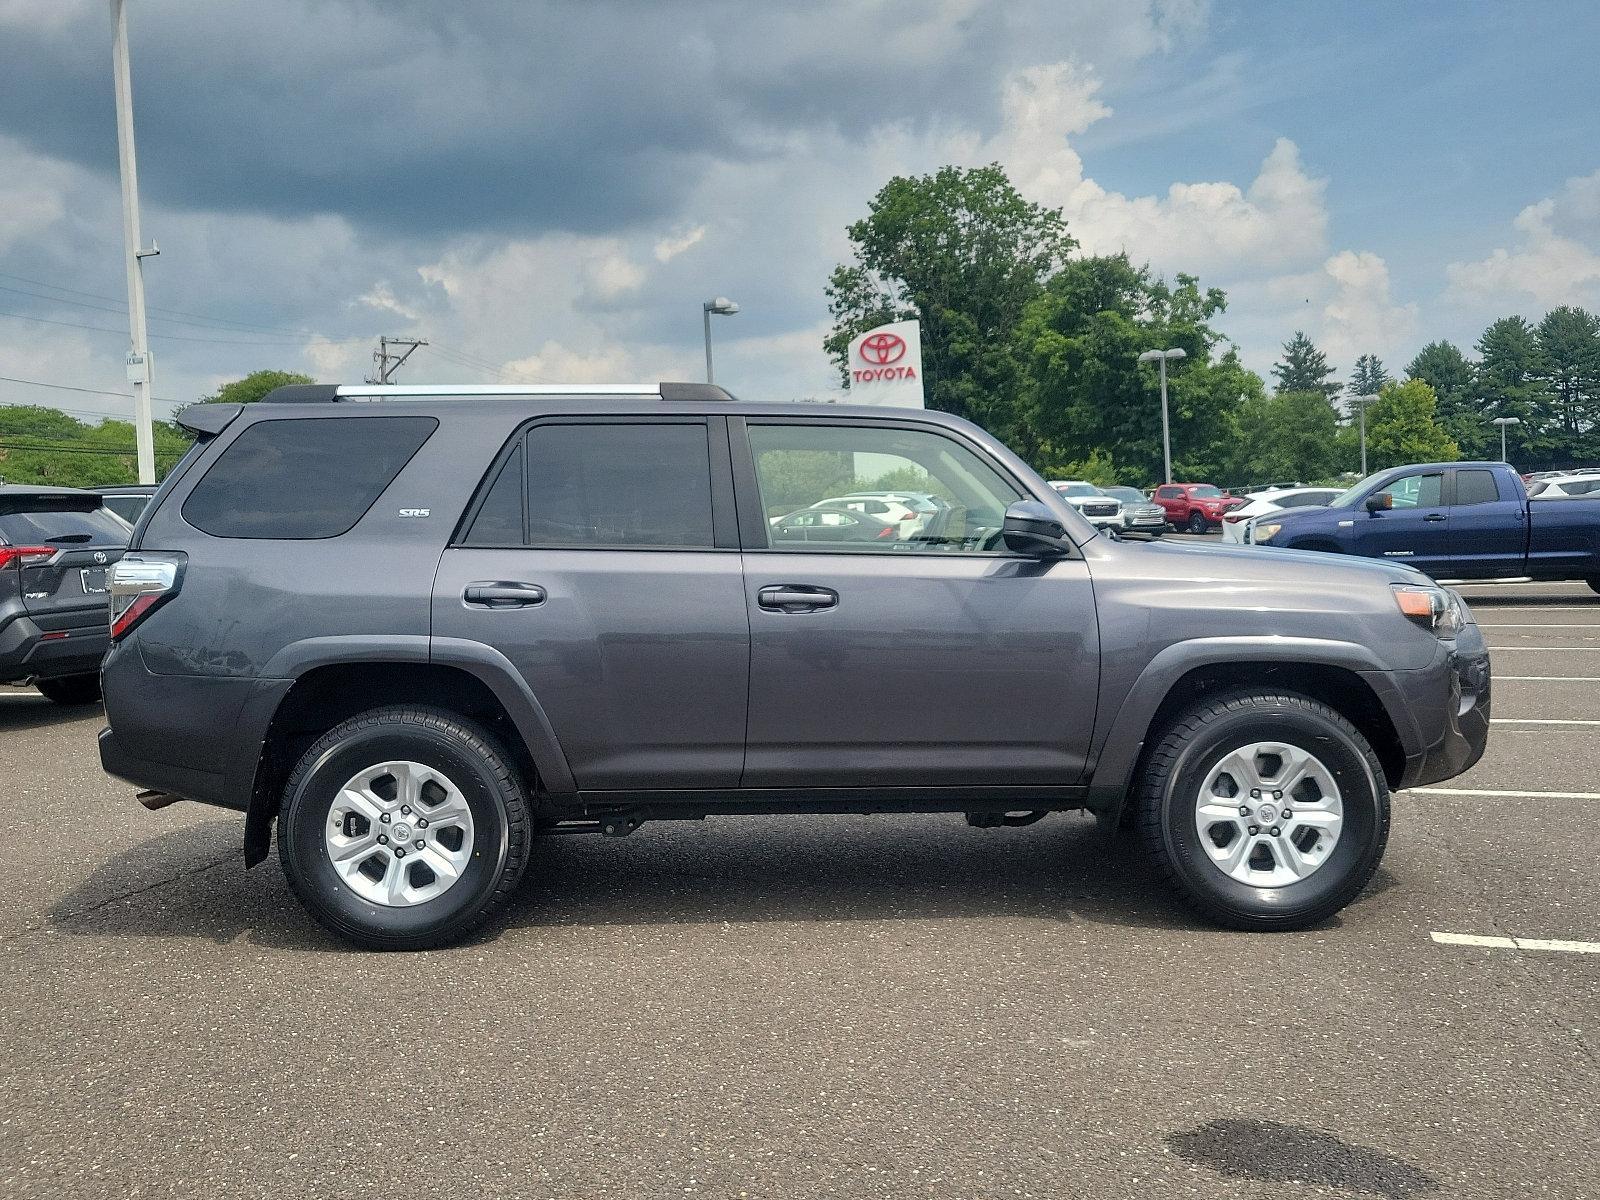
column 911, row 513
column 1558, row 487
column 1100, row 510
column 1236, row 524
column 1140, row 514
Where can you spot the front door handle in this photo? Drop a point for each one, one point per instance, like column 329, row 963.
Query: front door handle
column 492, row 594
column 1434, row 517
column 794, row 597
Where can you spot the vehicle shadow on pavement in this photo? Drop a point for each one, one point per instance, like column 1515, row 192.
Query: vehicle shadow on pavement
column 21, row 710
column 191, row 881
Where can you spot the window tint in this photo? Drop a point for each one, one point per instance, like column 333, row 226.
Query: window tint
column 801, row 467
column 1417, row 491
column 619, row 485
column 97, row 527
column 499, row 521
column 1476, row 487
column 1205, row 491
column 1169, row 493
column 303, row 478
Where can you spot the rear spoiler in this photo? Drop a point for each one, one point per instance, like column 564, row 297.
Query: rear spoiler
column 205, row 421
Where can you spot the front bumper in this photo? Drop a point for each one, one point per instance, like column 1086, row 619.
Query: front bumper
column 1154, row 522
column 1450, row 702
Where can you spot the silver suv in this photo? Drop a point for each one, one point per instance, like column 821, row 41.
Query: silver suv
column 417, row 627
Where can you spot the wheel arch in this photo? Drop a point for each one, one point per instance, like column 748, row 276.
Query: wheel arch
column 1343, row 675
column 463, row 680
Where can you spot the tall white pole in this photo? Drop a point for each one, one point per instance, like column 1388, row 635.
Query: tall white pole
column 1502, row 442
column 139, row 367
column 1166, row 433
column 706, row 309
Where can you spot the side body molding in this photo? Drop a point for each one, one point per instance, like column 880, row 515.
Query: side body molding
column 1126, row 733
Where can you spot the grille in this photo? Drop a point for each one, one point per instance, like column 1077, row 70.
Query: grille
column 1100, row 508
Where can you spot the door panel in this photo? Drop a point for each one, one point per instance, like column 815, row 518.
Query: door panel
column 639, row 658
column 1414, row 531
column 1488, row 535
column 925, row 671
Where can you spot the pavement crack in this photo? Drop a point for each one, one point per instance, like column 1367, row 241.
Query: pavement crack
column 57, row 918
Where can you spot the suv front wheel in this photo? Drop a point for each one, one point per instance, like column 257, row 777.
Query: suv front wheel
column 403, row 828
column 1264, row 810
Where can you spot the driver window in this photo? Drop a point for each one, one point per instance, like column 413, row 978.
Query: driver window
column 869, row 489
column 1417, row 491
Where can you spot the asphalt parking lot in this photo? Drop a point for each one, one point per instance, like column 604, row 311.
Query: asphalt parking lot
column 821, row 1007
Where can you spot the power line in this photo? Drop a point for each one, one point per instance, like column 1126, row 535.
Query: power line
column 177, row 337
column 175, row 312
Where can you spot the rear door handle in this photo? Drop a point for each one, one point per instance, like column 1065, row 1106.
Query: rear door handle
column 793, row 598
column 492, row 594
column 1434, row 517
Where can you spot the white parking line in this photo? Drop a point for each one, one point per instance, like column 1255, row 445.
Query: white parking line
column 1540, row 649
column 1508, row 943
column 1539, row 721
column 1502, row 792
column 1537, row 625
column 1547, row 678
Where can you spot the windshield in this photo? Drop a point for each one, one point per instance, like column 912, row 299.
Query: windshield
column 1131, row 495
column 1077, row 489
column 1350, row 495
column 1205, row 492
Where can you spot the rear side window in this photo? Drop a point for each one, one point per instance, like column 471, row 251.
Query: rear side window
column 303, row 478
column 500, row 521
column 614, row 485
column 1476, row 487
column 96, row 527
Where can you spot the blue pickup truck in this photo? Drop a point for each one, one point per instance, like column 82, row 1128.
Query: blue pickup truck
column 1455, row 521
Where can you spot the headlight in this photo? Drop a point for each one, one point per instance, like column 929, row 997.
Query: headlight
column 1432, row 608
column 1264, row 533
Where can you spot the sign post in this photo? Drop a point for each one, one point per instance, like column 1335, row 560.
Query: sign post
column 886, row 366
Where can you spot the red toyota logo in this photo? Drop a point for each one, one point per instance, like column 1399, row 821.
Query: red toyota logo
column 883, row 348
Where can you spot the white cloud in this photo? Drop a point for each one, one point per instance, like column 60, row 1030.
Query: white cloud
column 668, row 248
column 1360, row 316
column 555, row 363
column 382, row 297
column 1554, row 257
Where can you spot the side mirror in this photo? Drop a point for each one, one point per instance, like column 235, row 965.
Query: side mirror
column 1031, row 528
column 1379, row 502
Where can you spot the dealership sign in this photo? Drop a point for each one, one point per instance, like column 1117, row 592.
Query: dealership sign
column 886, row 366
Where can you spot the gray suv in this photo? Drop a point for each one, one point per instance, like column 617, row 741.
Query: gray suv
column 417, row 626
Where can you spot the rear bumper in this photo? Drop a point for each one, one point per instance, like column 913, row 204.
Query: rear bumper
column 28, row 651
column 205, row 786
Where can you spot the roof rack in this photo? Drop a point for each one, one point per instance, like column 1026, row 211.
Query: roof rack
column 326, row 393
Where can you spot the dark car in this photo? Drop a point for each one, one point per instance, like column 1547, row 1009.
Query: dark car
column 127, row 500
column 416, row 627
column 834, row 525
column 56, row 550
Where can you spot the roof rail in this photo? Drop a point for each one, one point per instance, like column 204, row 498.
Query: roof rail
column 325, row 393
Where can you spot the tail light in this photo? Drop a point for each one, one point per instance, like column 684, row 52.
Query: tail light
column 888, row 531
column 27, row 556
column 140, row 584
column 1234, row 518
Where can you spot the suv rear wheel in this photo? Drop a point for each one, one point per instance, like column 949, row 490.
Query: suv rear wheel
column 1264, row 810
column 404, row 828
column 70, row 689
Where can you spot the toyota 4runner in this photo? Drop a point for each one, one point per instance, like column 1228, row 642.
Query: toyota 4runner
column 415, row 627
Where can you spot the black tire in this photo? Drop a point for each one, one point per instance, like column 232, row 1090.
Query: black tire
column 446, row 742
column 70, row 690
column 1169, row 791
column 1198, row 523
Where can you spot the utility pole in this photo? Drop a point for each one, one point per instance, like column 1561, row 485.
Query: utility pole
column 1161, row 356
column 134, row 253
column 1361, row 403
column 389, row 361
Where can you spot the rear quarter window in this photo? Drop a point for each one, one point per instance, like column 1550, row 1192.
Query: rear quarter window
column 304, row 478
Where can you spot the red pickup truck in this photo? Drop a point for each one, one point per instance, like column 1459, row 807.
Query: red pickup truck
column 1196, row 507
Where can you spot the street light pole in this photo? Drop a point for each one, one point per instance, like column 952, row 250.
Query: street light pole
column 723, row 307
column 1161, row 356
column 134, row 254
column 1361, row 403
column 1503, row 422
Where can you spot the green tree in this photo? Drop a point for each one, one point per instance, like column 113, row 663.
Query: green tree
column 1510, row 382
column 1304, row 368
column 43, row 445
column 1402, row 428
column 1085, row 390
column 1451, row 375
column 254, row 386
column 1292, row 435
column 962, row 252
column 1369, row 376
column 1569, row 349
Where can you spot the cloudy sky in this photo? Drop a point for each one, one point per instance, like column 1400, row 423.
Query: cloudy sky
column 546, row 191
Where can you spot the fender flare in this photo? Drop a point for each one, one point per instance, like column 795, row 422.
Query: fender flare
column 1128, row 731
column 483, row 662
